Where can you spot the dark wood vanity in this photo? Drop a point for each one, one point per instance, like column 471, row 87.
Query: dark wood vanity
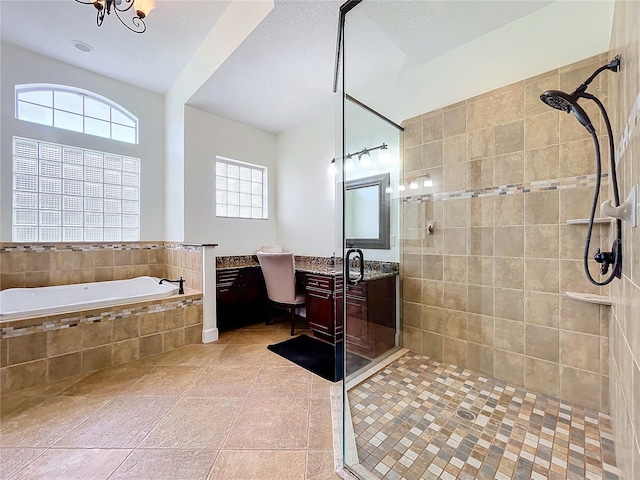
column 371, row 306
column 240, row 297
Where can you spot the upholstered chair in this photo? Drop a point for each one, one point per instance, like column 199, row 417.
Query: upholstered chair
column 280, row 277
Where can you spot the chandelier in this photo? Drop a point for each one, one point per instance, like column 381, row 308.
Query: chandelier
column 141, row 9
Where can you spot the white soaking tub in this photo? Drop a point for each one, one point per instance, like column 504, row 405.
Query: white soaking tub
column 18, row 303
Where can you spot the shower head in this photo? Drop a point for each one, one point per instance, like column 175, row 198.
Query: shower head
column 567, row 103
column 558, row 100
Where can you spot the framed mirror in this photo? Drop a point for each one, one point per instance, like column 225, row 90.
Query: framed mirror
column 366, row 212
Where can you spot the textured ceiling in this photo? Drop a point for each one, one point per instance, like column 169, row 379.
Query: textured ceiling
column 283, row 72
column 153, row 60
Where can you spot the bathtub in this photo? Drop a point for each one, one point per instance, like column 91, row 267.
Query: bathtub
column 30, row 302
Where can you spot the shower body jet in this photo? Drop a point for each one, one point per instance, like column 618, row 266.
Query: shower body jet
column 568, row 102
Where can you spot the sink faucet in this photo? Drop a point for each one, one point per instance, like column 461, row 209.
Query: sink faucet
column 180, row 280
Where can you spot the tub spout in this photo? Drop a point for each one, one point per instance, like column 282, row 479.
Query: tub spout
column 180, row 281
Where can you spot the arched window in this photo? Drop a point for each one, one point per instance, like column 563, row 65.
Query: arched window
column 75, row 109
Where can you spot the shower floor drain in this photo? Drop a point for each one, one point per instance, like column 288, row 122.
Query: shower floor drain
column 465, row 414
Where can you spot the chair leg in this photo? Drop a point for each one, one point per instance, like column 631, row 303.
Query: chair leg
column 293, row 319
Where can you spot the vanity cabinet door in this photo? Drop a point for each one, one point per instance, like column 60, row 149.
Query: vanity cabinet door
column 252, row 296
column 240, row 297
column 357, row 327
column 227, row 297
column 320, row 310
column 371, row 316
column 324, row 307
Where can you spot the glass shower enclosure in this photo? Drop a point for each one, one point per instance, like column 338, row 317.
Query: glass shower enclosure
column 368, row 196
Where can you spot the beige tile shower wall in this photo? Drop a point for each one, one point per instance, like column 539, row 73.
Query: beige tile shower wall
column 40, row 265
column 486, row 289
column 624, row 89
column 184, row 261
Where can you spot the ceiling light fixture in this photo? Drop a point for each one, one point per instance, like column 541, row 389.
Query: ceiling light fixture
column 142, row 9
column 82, row 46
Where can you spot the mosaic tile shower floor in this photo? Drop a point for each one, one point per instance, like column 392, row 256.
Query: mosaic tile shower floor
column 406, row 428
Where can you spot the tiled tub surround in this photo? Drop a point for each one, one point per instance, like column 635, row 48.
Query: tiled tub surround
column 45, row 349
column 47, row 264
column 486, row 289
column 184, row 260
column 624, row 92
column 405, row 425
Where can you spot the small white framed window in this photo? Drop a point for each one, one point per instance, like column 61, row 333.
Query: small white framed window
column 70, row 194
column 75, row 109
column 241, row 189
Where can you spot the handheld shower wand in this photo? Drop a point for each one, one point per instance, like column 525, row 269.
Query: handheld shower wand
column 569, row 103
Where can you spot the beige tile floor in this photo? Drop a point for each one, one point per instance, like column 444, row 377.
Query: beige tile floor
column 227, row 410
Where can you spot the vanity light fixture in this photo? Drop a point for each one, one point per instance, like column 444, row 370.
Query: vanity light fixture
column 141, row 10
column 413, row 185
column 428, row 182
column 332, row 167
column 365, row 160
column 401, row 188
column 383, row 156
column 363, row 155
column 348, row 164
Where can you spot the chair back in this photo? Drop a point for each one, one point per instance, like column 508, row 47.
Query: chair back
column 279, row 276
column 270, row 249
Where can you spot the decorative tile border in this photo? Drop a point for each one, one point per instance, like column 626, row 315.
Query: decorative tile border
column 632, row 122
column 510, row 189
column 187, row 247
column 77, row 247
column 61, row 321
column 94, row 247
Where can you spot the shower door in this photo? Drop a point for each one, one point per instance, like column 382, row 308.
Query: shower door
column 369, row 164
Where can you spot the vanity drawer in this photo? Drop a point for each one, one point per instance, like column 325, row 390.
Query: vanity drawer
column 359, row 290
column 227, row 276
column 318, row 281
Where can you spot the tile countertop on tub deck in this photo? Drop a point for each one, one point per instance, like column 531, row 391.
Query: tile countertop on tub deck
column 313, row 265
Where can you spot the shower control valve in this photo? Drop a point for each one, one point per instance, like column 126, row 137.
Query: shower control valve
column 605, row 258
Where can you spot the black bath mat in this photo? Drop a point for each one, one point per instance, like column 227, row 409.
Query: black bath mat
column 318, row 357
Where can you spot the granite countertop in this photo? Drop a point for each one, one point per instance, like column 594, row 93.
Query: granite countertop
column 313, row 265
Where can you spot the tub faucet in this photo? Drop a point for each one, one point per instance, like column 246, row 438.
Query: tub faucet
column 180, row 280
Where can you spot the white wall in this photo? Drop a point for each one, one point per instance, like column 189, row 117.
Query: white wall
column 21, row 66
column 306, row 198
column 208, row 136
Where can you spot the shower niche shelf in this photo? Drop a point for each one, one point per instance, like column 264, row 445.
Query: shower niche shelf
column 585, row 221
column 589, row 298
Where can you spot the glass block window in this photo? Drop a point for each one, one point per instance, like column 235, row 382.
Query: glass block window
column 69, row 194
column 75, row 109
column 241, row 189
